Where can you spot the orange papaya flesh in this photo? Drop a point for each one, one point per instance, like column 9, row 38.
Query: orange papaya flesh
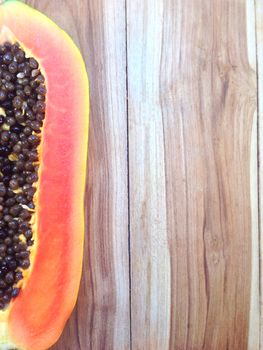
column 35, row 319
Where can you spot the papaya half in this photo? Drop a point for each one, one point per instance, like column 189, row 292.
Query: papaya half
column 44, row 110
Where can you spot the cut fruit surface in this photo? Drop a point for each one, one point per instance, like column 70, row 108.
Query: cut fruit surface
column 35, row 318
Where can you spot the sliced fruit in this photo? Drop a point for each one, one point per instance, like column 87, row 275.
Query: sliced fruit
column 42, row 232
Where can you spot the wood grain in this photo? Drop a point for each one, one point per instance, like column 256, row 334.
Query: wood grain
column 150, row 258
column 101, row 318
column 192, row 98
column 254, row 315
column 259, row 36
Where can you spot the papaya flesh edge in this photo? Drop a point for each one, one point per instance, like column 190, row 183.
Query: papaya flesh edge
column 35, row 319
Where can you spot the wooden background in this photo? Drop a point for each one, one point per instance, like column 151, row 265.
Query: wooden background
column 173, row 250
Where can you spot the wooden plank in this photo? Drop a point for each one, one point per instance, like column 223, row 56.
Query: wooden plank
column 259, row 32
column 192, row 98
column 101, row 317
column 254, row 314
column 150, row 275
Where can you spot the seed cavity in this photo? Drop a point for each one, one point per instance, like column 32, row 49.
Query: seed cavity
column 22, row 112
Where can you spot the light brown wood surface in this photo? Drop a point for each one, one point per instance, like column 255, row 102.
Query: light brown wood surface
column 173, row 249
column 259, row 41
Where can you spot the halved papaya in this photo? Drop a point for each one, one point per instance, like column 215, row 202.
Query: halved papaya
column 44, row 108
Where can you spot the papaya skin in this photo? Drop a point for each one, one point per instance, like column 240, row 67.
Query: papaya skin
column 36, row 318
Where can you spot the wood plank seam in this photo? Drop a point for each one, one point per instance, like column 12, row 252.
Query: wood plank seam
column 259, row 56
column 128, row 171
